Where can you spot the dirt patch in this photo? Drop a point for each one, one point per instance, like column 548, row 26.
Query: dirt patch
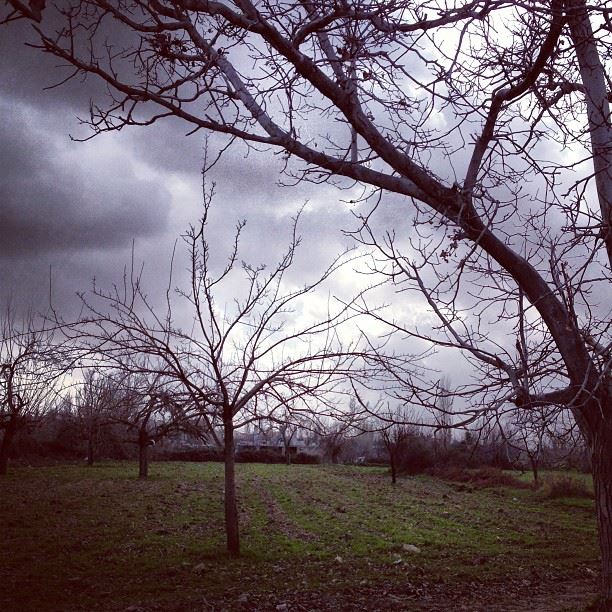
column 523, row 596
column 565, row 597
column 279, row 520
column 571, row 596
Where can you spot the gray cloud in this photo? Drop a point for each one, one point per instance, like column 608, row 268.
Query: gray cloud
column 75, row 208
column 68, row 209
column 52, row 200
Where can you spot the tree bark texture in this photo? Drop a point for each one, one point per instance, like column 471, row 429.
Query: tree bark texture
column 593, row 77
column 535, row 470
column 143, row 454
column 287, row 451
column 601, row 453
column 393, row 461
column 231, row 509
column 7, row 443
column 90, row 449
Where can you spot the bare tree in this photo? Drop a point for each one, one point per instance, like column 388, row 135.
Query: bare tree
column 335, row 434
column 150, row 409
column 395, row 434
column 236, row 364
column 95, row 399
column 30, row 371
column 288, row 430
column 333, row 438
column 489, row 121
column 400, row 431
column 535, row 433
column 289, row 422
column 528, row 433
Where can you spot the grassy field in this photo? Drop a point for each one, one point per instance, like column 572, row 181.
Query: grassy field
column 313, row 538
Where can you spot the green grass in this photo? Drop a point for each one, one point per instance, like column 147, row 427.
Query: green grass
column 546, row 475
column 326, row 537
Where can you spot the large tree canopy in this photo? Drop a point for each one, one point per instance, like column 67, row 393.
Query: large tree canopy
column 489, row 120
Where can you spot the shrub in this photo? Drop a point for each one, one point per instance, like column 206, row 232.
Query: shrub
column 305, row 458
column 565, row 486
column 264, row 455
column 416, row 456
column 190, row 454
column 482, row 478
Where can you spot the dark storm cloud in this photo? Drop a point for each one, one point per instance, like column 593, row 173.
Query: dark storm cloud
column 75, row 208
column 25, row 71
column 169, row 147
column 69, row 211
column 54, row 199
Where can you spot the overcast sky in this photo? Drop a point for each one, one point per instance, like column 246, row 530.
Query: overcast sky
column 72, row 210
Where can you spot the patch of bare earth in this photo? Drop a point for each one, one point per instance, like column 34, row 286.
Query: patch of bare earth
column 518, row 596
column 571, row 596
column 279, row 520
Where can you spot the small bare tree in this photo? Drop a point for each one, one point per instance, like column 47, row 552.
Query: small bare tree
column 534, row 433
column 149, row 409
column 290, row 421
column 399, row 430
column 95, row 399
column 336, row 432
column 333, row 438
column 31, row 367
column 395, row 434
column 236, row 364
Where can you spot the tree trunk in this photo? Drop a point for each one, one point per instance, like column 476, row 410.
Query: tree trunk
column 90, row 449
column 593, row 76
column 7, row 443
column 287, row 454
column 393, row 461
column 335, row 455
column 143, row 454
column 602, row 479
column 534, row 469
column 231, row 509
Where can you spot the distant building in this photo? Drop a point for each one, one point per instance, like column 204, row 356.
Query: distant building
column 268, row 440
